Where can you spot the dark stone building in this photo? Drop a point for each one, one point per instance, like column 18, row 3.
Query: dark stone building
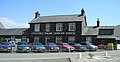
column 60, row 28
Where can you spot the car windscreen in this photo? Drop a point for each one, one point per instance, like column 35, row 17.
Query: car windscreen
column 65, row 44
column 37, row 44
column 52, row 44
column 22, row 43
column 83, row 43
column 78, row 44
column 5, row 43
column 89, row 43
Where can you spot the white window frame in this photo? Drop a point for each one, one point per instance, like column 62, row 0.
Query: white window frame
column 59, row 26
column 37, row 27
column 72, row 26
column 47, row 27
column 71, row 39
column 58, row 39
column 36, row 38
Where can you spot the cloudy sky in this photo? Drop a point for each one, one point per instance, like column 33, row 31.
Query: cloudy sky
column 18, row 13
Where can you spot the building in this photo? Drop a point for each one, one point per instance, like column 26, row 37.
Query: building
column 62, row 28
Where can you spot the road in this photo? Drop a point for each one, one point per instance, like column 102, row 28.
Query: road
column 36, row 56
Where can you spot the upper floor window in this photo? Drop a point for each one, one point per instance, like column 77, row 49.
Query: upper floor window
column 106, row 31
column 47, row 27
column 59, row 26
column 72, row 26
column 37, row 27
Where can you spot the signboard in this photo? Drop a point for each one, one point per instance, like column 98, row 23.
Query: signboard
column 53, row 33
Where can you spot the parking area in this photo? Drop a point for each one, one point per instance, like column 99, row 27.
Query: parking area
column 38, row 47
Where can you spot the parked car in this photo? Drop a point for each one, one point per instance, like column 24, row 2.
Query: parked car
column 37, row 47
column 52, row 47
column 66, row 47
column 78, row 47
column 23, row 47
column 89, row 46
column 6, row 46
column 101, row 46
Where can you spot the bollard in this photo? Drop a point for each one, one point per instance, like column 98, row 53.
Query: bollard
column 106, row 54
column 79, row 56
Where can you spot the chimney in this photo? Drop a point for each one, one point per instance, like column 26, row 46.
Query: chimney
column 82, row 12
column 37, row 14
column 98, row 22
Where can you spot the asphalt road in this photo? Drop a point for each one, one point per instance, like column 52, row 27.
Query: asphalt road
column 37, row 56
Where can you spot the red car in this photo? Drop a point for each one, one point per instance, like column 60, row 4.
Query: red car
column 101, row 46
column 66, row 47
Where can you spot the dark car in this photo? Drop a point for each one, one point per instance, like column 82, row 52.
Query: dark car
column 52, row 47
column 89, row 46
column 23, row 47
column 66, row 47
column 78, row 47
column 37, row 47
column 5, row 46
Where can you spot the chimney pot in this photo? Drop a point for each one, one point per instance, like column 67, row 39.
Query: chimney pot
column 98, row 22
column 37, row 14
column 82, row 12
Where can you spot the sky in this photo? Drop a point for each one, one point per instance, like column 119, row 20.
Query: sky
column 18, row 13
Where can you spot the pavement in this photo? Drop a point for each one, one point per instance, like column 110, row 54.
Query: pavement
column 98, row 59
column 99, row 56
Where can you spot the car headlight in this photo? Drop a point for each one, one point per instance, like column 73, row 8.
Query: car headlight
column 8, row 48
column 57, row 47
column 52, row 48
column 27, row 48
column 43, row 47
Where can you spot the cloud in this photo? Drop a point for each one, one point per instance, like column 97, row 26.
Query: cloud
column 9, row 23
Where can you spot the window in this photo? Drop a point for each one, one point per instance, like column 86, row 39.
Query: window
column 71, row 39
column 47, row 27
column 58, row 39
column 71, row 26
column 24, row 38
column 36, row 39
column 47, row 40
column 59, row 26
column 12, row 38
column 37, row 27
column 105, row 31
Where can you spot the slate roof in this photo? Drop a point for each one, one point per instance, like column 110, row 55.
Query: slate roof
column 1, row 26
column 89, row 30
column 106, row 27
column 15, row 31
column 117, row 31
column 58, row 18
